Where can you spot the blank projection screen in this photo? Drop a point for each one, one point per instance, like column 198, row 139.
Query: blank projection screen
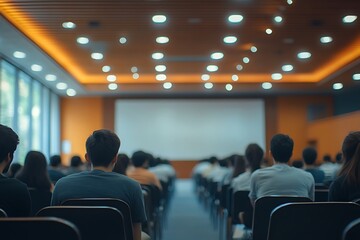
column 189, row 129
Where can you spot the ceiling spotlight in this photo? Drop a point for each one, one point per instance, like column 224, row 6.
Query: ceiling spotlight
column 135, row 76
column 160, row 77
column 97, row 56
column 236, row 18
column 160, row 68
column 50, row 77
column 326, row 39
column 230, row 39
column 266, row 85
column 349, row 18
column 82, row 40
column 276, row 76
column 111, row 78
column 162, row 40
column 205, row 77
column 338, row 86
column 159, row 18
column 134, row 69
column 246, row 60
column 157, row 56
column 278, row 19
column 167, row 85
column 71, row 92
column 268, row 31
column 287, row 68
column 122, row 40
column 289, row 2
column 356, row 76
column 112, row 86
column 106, row 69
column 304, row 55
column 234, row 77
column 212, row 68
column 253, row 49
column 68, row 25
column 239, row 67
column 228, row 87
column 61, row 86
column 18, row 54
column 36, row 68
column 208, row 85
column 217, row 55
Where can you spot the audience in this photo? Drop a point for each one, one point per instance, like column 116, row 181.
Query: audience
column 346, row 186
column 34, row 173
column 122, row 164
column 13, row 170
column 281, row 179
column 101, row 150
column 162, row 169
column 76, row 165
column 14, row 195
column 309, row 155
column 329, row 168
column 298, row 164
column 55, row 169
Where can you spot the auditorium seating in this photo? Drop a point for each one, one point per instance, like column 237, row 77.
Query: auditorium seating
column 2, row 213
column 39, row 199
column 352, row 230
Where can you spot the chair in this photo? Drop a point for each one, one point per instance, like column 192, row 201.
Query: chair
column 321, row 195
column 240, row 203
column 262, row 210
column 118, row 204
column 311, row 221
column 352, row 231
column 39, row 199
column 94, row 223
column 43, row 228
column 2, row 213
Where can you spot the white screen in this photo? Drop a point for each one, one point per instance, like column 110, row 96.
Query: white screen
column 189, row 129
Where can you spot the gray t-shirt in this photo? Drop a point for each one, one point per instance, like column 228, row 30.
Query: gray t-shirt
column 281, row 179
column 100, row 184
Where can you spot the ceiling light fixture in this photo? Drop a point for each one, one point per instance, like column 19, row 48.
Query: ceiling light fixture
column 18, row 54
column 82, row 40
column 266, row 85
column 135, row 76
column 68, row 25
column 160, row 77
column 246, row 60
column 97, row 56
column 230, row 39
column 111, row 78
column 134, row 69
column 71, row 92
column 205, row 77
column 160, row 68
column 122, row 40
column 253, row 49
column 212, row 68
column 112, row 86
column 208, row 85
column 276, row 76
column 349, row 18
column 326, row 39
column 106, row 69
column 289, row 2
column 278, row 19
column 239, row 67
column 36, row 68
column 167, row 85
column 61, row 86
column 50, row 77
column 162, row 40
column 217, row 55
column 338, row 86
column 157, row 56
column 304, row 55
column 236, row 18
column 287, row 68
column 234, row 77
column 268, row 31
column 159, row 18
column 228, row 87
column 356, row 77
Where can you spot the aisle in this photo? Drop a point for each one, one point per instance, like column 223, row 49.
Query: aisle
column 187, row 219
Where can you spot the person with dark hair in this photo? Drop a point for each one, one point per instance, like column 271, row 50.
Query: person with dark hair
column 338, row 164
column 122, row 164
column 34, row 173
column 102, row 148
column 55, row 169
column 13, row 170
column 346, row 187
column 329, row 168
column 75, row 165
column 309, row 155
column 254, row 155
column 281, row 179
column 14, row 195
column 139, row 173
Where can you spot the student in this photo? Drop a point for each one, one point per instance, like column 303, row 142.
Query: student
column 309, row 155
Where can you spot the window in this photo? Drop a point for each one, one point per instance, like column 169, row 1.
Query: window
column 7, row 94
column 36, row 112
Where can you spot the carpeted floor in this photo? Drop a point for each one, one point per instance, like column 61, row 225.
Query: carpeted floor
column 187, row 219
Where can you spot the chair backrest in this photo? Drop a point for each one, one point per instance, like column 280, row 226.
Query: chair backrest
column 118, row 204
column 262, row 210
column 39, row 200
column 2, row 213
column 321, row 195
column 352, row 231
column 42, row 228
column 94, row 223
column 311, row 221
column 240, row 203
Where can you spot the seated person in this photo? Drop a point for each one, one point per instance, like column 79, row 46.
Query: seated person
column 309, row 155
column 101, row 150
column 14, row 195
column 281, row 179
column 329, row 168
column 55, row 169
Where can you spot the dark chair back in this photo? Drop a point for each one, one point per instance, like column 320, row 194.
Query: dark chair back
column 352, row 231
column 94, row 223
column 299, row 221
column 2, row 213
column 39, row 200
column 321, row 195
column 43, row 228
column 240, row 203
column 118, row 204
column 262, row 210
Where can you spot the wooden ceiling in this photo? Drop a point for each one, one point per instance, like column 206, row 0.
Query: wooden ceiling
column 196, row 29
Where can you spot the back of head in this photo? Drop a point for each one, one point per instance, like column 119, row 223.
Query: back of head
column 55, row 160
column 254, row 155
column 338, row 158
column 35, row 162
column 351, row 157
column 139, row 158
column 309, row 155
column 8, row 142
column 102, row 147
column 327, row 158
column 239, row 165
column 121, row 164
column 75, row 161
column 298, row 164
column 281, row 147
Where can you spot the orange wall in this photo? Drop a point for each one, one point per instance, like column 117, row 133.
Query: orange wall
column 329, row 133
column 79, row 118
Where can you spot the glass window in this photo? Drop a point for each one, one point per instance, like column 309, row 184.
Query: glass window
column 36, row 112
column 46, row 119
column 7, row 94
column 54, row 124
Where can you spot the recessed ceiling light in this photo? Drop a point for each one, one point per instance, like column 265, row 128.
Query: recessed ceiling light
column 217, row 55
column 82, row 40
column 61, row 86
column 276, row 76
column 268, row 31
column 208, row 85
column 205, row 77
column 167, row 85
column 50, row 77
column 326, row 39
column 230, row 39
column 234, row 77
column 135, row 76
column 228, row 87
column 266, row 85
column 356, row 76
column 97, row 56
column 122, row 40
column 212, row 68
column 246, row 60
column 112, row 86
column 106, row 68
column 159, row 18
column 19, row 54
column 134, row 69
column 304, row 55
column 236, row 18
column 160, row 77
column 287, row 67
column 160, row 68
column 239, row 67
column 290, row 2
column 111, row 78
column 69, row 25
column 253, row 49
column 349, row 18
column 338, row 86
column 36, row 68
column 71, row 92
column 157, row 56
column 278, row 19
column 162, row 40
